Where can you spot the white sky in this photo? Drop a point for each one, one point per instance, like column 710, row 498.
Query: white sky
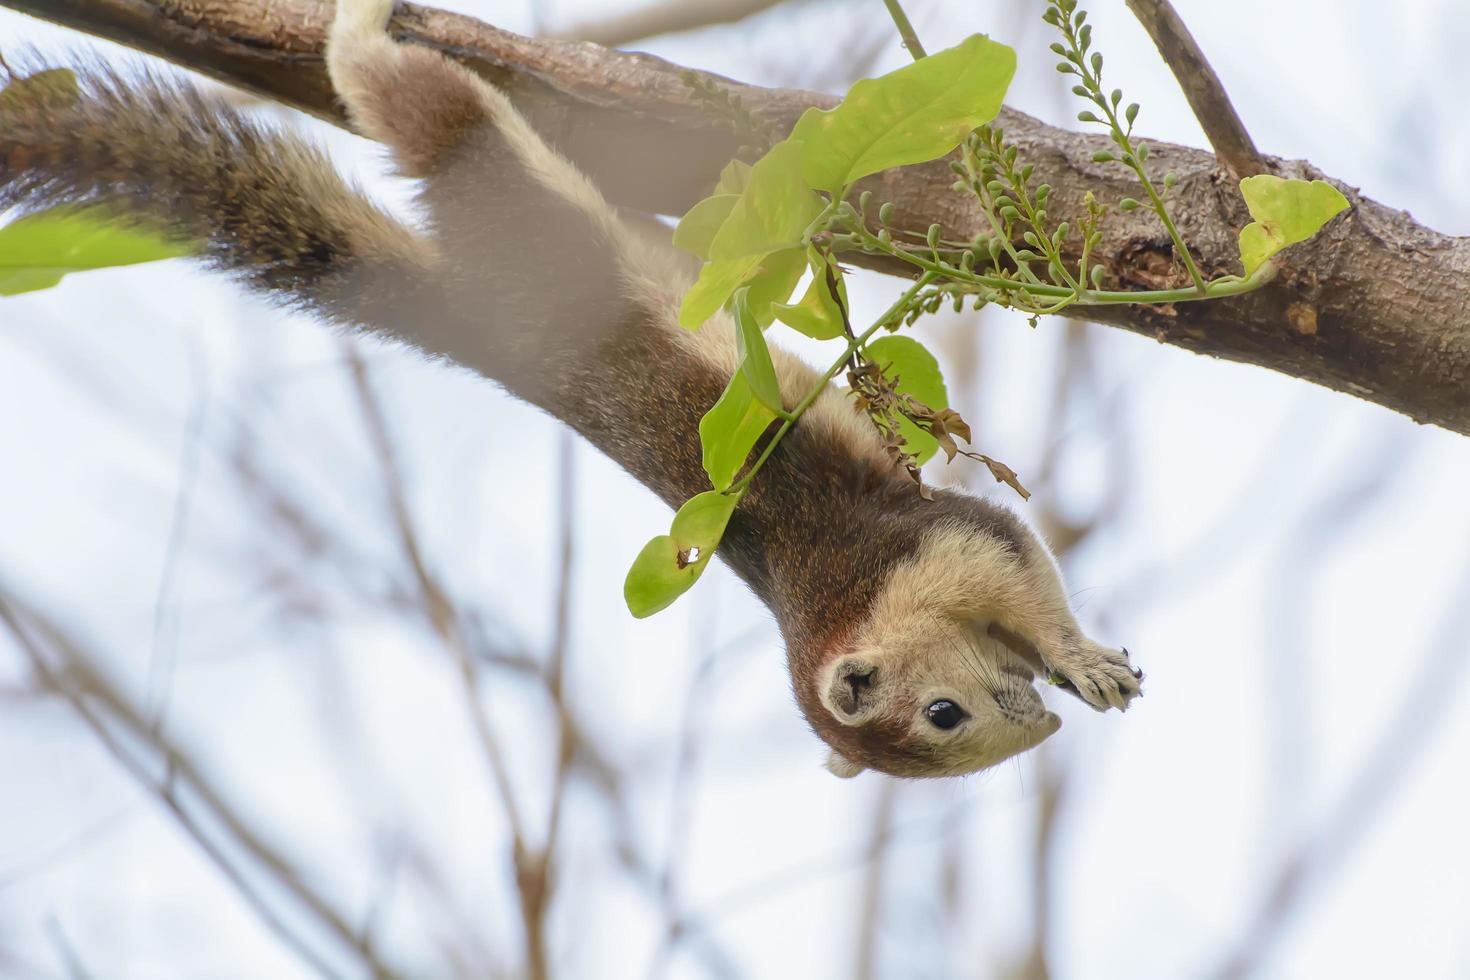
column 1280, row 626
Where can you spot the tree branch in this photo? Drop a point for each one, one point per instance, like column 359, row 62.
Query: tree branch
column 1202, row 87
column 1375, row 306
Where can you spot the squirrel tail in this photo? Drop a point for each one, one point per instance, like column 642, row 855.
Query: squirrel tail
column 259, row 203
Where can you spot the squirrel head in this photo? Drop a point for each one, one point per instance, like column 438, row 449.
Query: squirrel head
column 949, row 700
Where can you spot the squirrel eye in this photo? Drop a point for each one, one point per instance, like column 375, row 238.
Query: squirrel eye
column 945, row 714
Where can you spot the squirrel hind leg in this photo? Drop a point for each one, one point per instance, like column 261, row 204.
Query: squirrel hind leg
column 415, row 100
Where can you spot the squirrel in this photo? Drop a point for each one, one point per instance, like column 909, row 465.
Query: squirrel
column 914, row 628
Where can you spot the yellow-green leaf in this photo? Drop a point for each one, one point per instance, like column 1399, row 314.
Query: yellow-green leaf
column 700, row 523
column 771, row 278
column 671, row 563
column 755, row 357
column 914, row 372
column 773, row 282
column 717, row 280
column 734, row 178
column 730, row 430
column 917, row 113
column 1287, row 211
column 38, row 250
column 772, row 215
column 700, row 223
column 656, row 579
column 816, row 314
column 774, row 209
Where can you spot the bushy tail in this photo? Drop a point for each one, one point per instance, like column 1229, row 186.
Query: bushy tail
column 257, row 202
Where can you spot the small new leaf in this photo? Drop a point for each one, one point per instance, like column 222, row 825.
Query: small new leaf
column 1286, row 212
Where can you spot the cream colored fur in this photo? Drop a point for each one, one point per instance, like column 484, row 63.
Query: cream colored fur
column 958, row 576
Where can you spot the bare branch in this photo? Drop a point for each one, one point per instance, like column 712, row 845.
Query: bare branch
column 1375, row 306
column 663, row 17
column 1202, row 87
column 168, row 772
column 869, row 923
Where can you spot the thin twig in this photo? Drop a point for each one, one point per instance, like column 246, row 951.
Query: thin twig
column 536, row 880
column 905, row 29
column 163, row 658
column 870, row 918
column 1202, row 87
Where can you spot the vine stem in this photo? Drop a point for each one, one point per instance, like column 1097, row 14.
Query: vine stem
column 1224, row 286
column 905, row 29
column 854, row 344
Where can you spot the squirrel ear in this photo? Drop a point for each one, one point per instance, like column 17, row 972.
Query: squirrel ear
column 841, row 766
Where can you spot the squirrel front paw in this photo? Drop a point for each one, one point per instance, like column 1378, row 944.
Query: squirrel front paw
column 1099, row 675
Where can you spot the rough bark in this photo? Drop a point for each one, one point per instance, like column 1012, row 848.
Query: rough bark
column 1377, row 306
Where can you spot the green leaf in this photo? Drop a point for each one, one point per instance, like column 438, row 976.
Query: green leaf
column 774, row 209
column 915, row 373
column 671, row 563
column 1287, row 211
column 1256, row 246
column 38, row 250
column 755, row 357
column 717, row 280
column 730, row 430
column 697, row 229
column 700, row 523
column 772, row 215
column 655, row 580
column 773, row 282
column 734, row 178
column 700, row 223
column 817, row 314
column 917, row 113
